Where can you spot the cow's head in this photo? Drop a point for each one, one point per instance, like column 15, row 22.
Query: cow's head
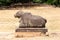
column 18, row 14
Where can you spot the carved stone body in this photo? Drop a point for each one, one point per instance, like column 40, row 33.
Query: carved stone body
column 30, row 21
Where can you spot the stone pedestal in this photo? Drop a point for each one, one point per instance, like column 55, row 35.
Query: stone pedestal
column 30, row 32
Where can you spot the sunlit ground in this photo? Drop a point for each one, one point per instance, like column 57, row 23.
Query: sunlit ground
column 8, row 23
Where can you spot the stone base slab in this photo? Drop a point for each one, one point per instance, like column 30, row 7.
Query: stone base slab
column 30, row 32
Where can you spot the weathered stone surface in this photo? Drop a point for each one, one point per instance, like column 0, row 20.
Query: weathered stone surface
column 29, row 34
column 31, row 30
column 27, row 20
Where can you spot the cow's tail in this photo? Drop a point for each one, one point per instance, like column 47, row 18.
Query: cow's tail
column 45, row 21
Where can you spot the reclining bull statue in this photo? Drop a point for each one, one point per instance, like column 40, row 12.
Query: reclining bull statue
column 30, row 21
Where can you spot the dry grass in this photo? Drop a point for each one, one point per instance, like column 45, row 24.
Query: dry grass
column 8, row 23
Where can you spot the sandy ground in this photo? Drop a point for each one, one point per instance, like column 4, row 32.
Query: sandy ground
column 11, row 36
column 8, row 23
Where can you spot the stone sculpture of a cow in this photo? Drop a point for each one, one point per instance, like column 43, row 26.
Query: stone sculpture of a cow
column 30, row 21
